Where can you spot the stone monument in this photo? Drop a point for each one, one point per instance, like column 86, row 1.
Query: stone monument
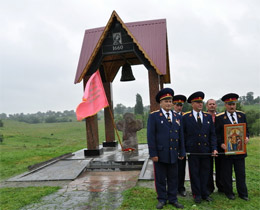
column 129, row 126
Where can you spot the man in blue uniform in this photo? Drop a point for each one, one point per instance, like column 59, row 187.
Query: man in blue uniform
column 232, row 116
column 178, row 101
column 165, row 142
column 200, row 137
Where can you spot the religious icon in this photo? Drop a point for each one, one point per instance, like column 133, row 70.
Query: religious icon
column 234, row 138
column 117, row 39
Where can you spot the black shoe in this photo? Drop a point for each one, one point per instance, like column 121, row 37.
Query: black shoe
column 197, row 200
column 183, row 193
column 209, row 199
column 244, row 198
column 178, row 205
column 160, row 205
column 230, row 196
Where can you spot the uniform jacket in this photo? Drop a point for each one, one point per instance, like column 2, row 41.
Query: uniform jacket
column 221, row 120
column 165, row 139
column 199, row 140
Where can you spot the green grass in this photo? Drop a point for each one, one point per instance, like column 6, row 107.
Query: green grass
column 27, row 144
column 245, row 108
column 141, row 198
column 15, row 198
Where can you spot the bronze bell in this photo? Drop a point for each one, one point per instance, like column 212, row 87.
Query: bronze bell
column 127, row 74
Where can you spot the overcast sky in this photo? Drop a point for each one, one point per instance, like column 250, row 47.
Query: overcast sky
column 214, row 47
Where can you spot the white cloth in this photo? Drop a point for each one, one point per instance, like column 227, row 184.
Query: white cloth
column 195, row 114
column 164, row 112
column 230, row 118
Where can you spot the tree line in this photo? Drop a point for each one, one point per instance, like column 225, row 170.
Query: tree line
column 140, row 111
column 41, row 117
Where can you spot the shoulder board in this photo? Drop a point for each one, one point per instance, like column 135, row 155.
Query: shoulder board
column 185, row 113
column 240, row 112
column 154, row 111
column 206, row 113
column 219, row 114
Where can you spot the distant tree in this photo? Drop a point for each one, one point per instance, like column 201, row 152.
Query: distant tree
column 50, row 119
column 240, row 107
column 119, row 109
column 250, row 97
column 1, row 123
column 33, row 119
column 186, row 107
column 147, row 109
column 257, row 100
column 139, row 107
column 129, row 110
column 3, row 116
column 242, row 99
column 219, row 102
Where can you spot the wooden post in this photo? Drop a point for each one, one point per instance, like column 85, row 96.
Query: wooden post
column 109, row 128
column 92, row 132
column 153, row 89
column 161, row 82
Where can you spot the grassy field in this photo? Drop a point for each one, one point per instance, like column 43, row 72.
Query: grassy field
column 245, row 107
column 27, row 144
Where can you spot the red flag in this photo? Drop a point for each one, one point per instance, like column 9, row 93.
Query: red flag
column 94, row 98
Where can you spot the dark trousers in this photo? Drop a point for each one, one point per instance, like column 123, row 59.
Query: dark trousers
column 210, row 185
column 199, row 168
column 181, row 174
column 166, row 181
column 219, row 182
column 218, row 169
column 239, row 168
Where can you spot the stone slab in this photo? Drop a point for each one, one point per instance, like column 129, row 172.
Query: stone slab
column 61, row 170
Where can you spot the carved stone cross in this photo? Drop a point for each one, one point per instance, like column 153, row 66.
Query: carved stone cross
column 129, row 126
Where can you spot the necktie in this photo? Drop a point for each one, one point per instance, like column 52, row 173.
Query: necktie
column 199, row 120
column 233, row 119
column 168, row 117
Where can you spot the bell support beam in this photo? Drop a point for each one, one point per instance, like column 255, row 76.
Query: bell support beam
column 109, row 128
column 153, row 89
column 92, row 132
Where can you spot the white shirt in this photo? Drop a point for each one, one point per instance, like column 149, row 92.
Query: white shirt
column 234, row 115
column 164, row 112
column 195, row 114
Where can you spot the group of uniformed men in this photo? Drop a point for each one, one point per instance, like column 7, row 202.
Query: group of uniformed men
column 174, row 136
